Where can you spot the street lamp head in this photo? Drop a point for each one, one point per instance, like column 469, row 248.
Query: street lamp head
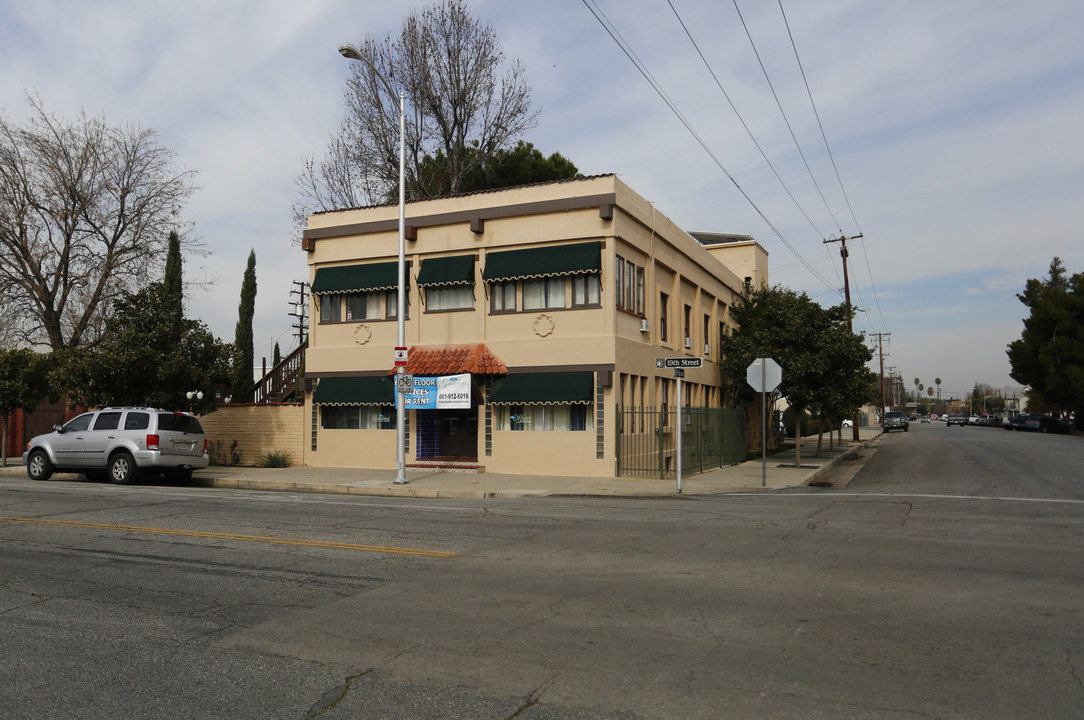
column 350, row 52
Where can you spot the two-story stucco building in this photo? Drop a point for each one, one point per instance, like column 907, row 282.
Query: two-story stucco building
column 549, row 303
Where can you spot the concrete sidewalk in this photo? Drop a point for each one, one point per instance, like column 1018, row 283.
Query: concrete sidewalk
column 741, row 478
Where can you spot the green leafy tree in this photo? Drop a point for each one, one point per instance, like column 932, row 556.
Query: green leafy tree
column 242, row 342
column 522, row 165
column 1049, row 356
column 823, row 362
column 149, row 359
column 23, row 384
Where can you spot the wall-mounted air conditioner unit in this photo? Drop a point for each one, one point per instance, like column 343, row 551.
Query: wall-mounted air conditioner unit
column 688, row 343
column 645, row 326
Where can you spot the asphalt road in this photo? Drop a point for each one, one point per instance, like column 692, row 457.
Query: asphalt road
column 945, row 580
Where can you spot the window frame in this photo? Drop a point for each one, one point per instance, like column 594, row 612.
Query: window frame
column 331, row 309
column 591, row 284
column 547, row 284
column 439, row 292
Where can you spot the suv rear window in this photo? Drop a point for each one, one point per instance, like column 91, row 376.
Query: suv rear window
column 179, row 423
column 137, row 421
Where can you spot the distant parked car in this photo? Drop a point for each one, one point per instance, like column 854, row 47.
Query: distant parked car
column 1015, row 423
column 895, row 420
column 848, row 423
column 118, row 443
column 1045, row 424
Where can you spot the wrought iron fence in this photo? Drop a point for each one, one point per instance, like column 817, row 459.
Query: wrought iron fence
column 647, row 440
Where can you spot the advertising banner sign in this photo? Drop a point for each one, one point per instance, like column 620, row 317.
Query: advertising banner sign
column 445, row 392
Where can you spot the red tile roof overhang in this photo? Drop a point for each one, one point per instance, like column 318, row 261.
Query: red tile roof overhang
column 473, row 358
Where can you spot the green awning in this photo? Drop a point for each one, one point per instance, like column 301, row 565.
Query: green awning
column 543, row 389
column 355, row 278
column 354, row 391
column 580, row 258
column 455, row 270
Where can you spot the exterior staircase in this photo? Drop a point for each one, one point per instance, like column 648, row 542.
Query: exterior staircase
column 281, row 381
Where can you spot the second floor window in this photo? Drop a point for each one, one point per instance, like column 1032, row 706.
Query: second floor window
column 330, row 308
column 629, row 286
column 544, row 293
column 449, row 297
column 664, row 312
column 502, row 296
column 363, row 306
column 391, row 304
column 586, row 290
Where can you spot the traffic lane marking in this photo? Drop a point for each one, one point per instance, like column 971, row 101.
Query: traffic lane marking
column 229, row 536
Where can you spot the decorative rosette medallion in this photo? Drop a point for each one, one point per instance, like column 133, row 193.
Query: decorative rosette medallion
column 543, row 325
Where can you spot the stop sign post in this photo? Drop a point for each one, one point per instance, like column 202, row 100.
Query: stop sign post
column 764, row 375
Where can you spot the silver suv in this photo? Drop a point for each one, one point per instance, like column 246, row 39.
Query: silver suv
column 895, row 420
column 118, row 443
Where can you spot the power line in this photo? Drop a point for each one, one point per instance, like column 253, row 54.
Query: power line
column 741, row 119
column 786, row 120
column 817, row 115
column 631, row 55
column 835, row 167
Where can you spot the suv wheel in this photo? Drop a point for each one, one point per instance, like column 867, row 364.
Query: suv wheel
column 38, row 466
column 122, row 469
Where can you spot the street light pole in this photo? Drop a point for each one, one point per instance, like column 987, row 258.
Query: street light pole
column 350, row 52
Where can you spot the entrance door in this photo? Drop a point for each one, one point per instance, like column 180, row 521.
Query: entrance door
column 457, row 435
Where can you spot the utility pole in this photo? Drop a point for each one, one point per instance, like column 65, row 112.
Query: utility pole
column 881, row 351
column 842, row 240
column 301, row 311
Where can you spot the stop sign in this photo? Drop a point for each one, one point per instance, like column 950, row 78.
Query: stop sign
column 764, row 374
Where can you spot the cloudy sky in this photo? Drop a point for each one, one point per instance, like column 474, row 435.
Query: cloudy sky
column 955, row 128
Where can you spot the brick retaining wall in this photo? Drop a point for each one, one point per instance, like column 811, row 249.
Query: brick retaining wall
column 256, row 429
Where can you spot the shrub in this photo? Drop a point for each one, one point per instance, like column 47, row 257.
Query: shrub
column 219, row 456
column 276, row 459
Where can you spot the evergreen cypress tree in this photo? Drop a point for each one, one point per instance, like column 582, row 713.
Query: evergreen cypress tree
column 242, row 342
column 174, row 285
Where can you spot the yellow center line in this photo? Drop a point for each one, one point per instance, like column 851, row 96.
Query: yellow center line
column 229, row 536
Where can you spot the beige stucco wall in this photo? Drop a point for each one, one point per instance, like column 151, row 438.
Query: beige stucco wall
column 353, row 448
column 546, row 453
column 257, row 429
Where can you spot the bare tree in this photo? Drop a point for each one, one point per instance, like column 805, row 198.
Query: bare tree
column 86, row 209
column 464, row 103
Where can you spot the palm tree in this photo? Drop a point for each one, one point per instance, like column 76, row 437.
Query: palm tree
column 937, row 382
column 918, row 386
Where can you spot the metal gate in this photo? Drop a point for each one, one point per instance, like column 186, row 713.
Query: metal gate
column 647, row 440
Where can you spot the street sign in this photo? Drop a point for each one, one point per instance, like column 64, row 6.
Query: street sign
column 400, row 356
column 679, row 372
column 764, row 374
column 404, row 383
column 678, row 362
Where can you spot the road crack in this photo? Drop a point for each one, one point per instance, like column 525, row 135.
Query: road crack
column 334, row 696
